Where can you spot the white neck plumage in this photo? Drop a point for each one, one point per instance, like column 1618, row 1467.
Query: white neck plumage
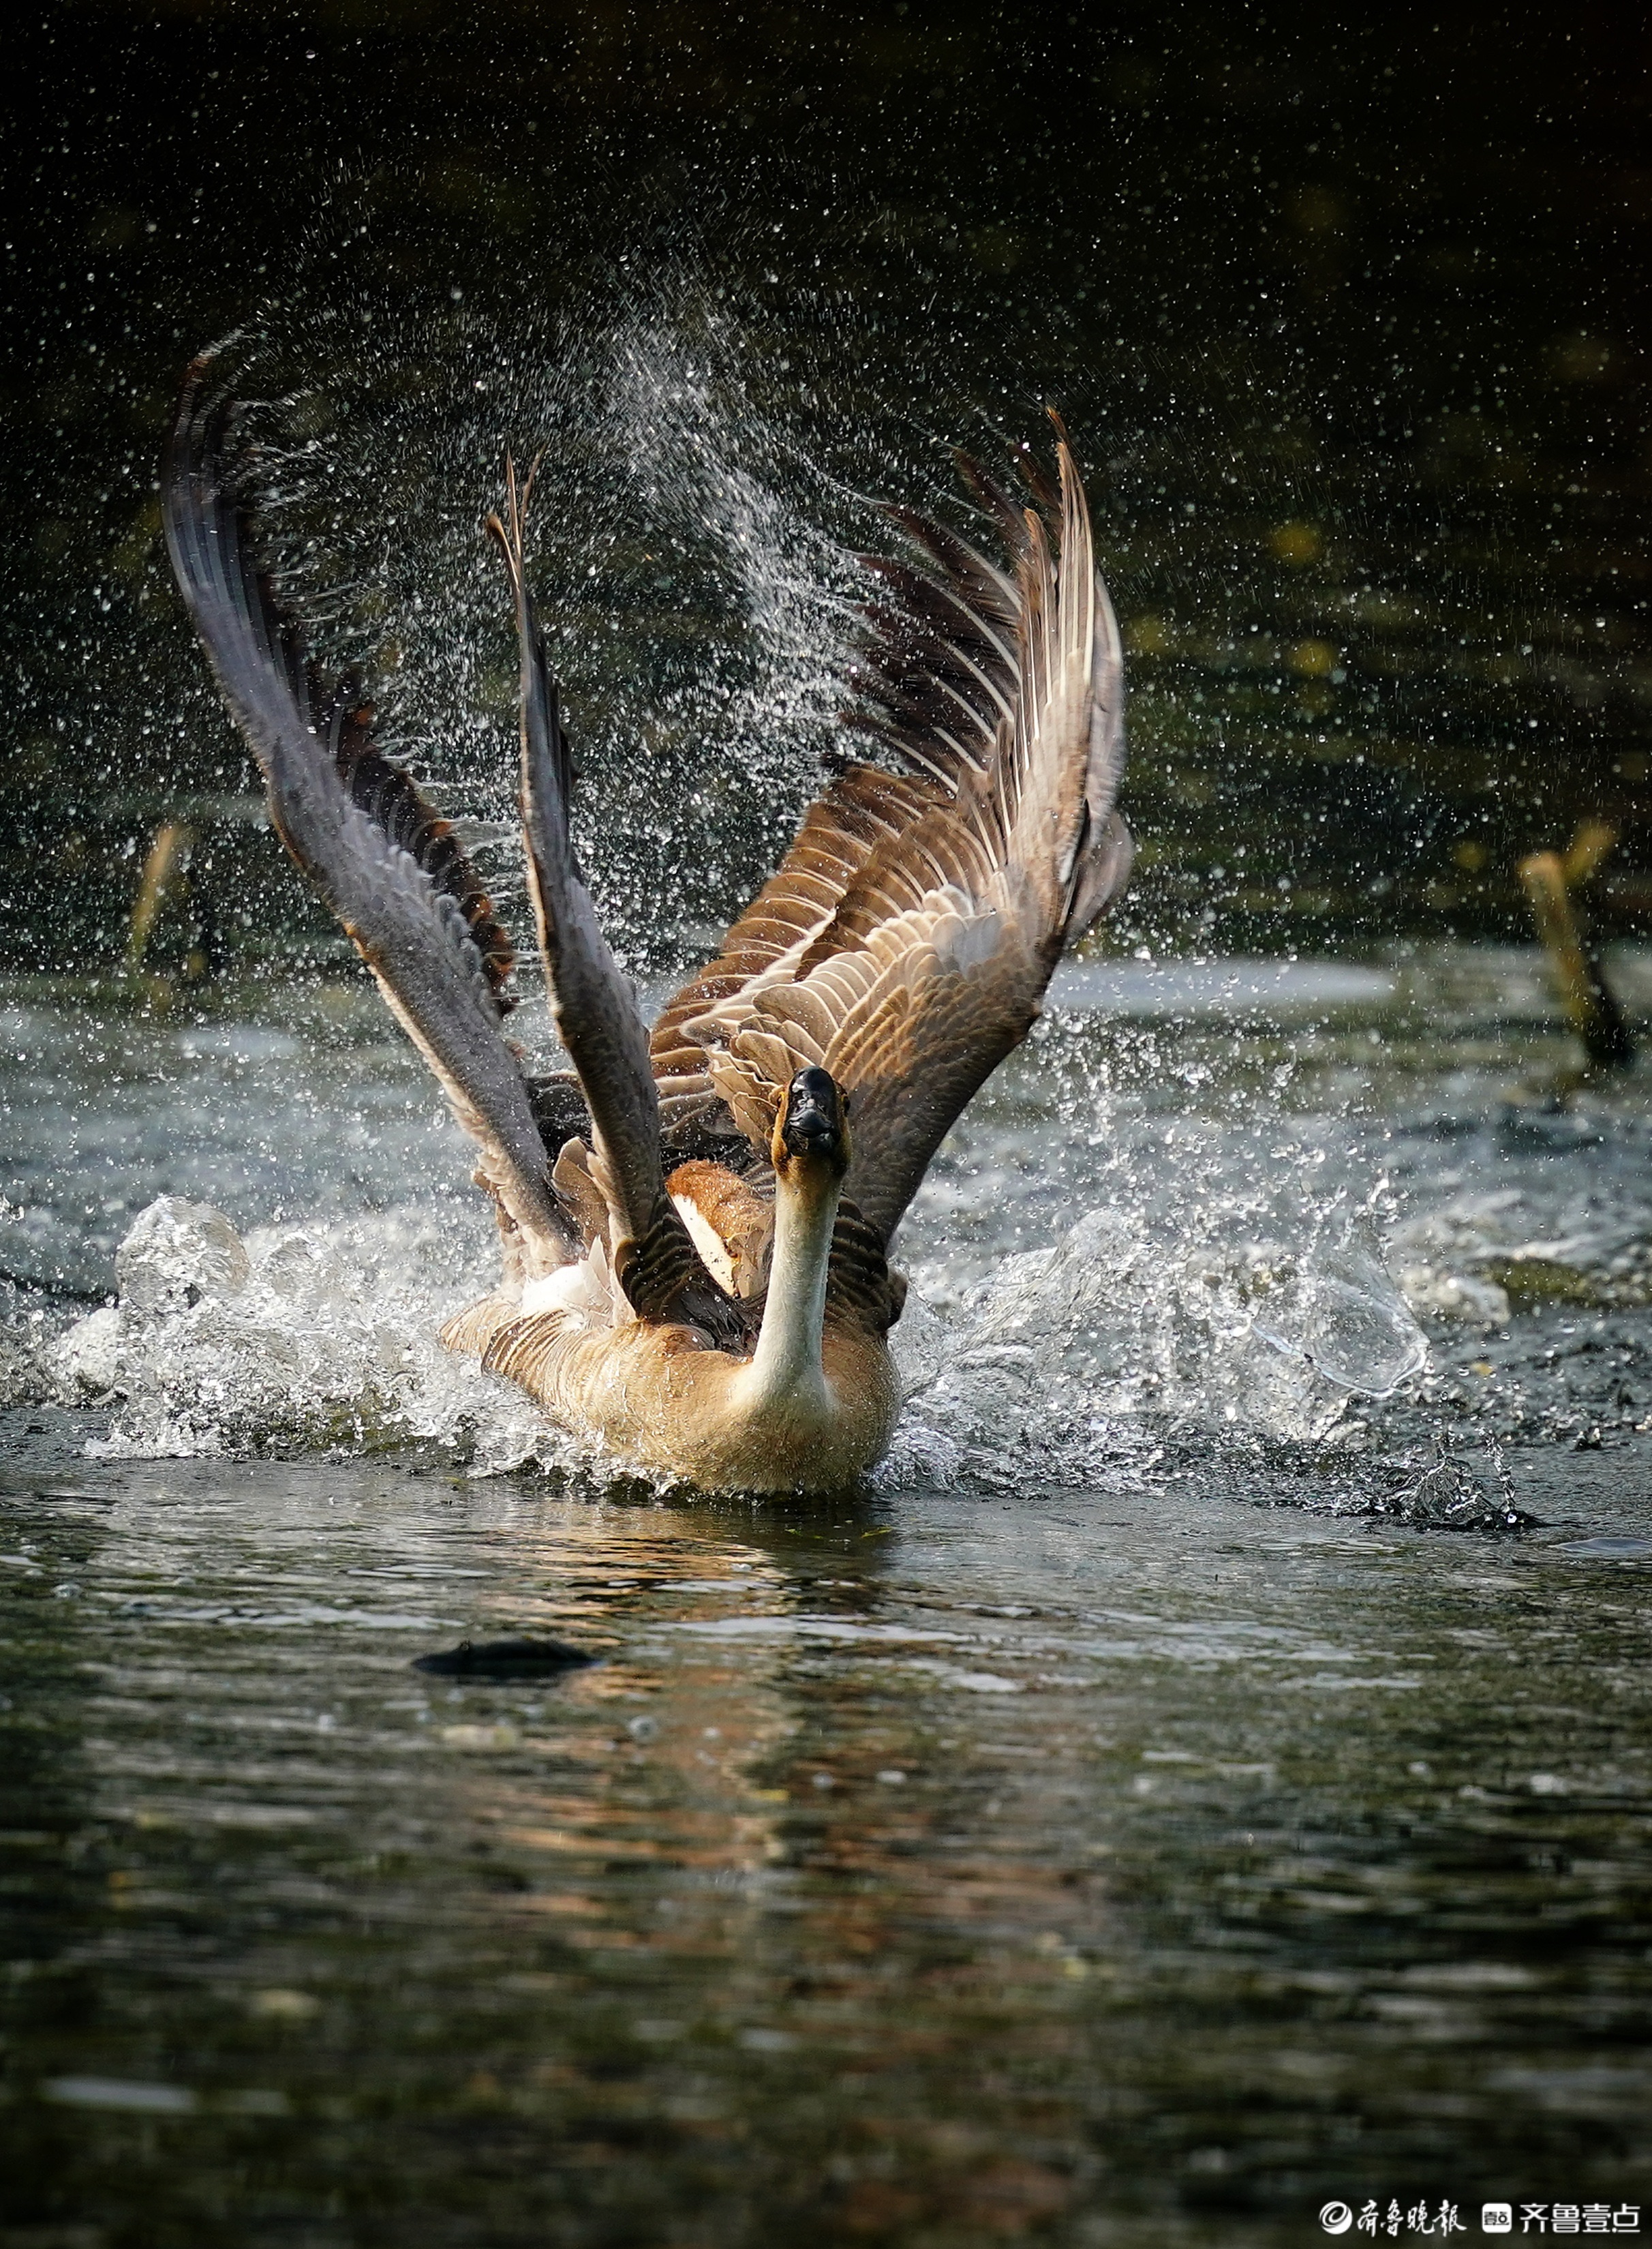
column 785, row 1368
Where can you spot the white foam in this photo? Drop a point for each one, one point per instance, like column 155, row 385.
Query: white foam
column 327, row 1335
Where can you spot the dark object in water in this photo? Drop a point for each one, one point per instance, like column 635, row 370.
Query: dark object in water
column 505, row 1659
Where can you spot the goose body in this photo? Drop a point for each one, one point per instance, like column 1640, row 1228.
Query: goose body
column 808, row 1402
column 695, row 1221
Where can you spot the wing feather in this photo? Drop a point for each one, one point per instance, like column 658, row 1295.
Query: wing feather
column 658, row 1266
column 863, row 807
column 392, row 872
column 1001, row 691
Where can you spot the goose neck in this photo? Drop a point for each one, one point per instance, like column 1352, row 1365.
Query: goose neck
column 786, row 1365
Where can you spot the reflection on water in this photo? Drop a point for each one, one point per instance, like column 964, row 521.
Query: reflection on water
column 947, row 1870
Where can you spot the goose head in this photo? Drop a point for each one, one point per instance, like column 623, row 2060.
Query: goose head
column 812, row 1130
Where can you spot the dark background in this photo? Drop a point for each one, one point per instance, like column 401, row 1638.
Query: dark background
column 1348, row 318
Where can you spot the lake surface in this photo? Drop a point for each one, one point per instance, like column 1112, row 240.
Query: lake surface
column 1174, row 1795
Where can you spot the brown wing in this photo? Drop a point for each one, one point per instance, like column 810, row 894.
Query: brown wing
column 389, row 868
column 907, row 942
column 863, row 807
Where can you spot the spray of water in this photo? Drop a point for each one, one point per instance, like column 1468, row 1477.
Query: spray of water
column 1060, row 1368
column 693, row 547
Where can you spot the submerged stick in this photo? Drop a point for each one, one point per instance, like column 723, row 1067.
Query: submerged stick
column 1591, row 1008
column 164, row 871
column 1589, row 851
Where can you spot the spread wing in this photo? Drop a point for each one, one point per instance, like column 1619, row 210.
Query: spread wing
column 597, row 1018
column 907, row 941
column 392, row 870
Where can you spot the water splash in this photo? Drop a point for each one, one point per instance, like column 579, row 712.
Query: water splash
column 1057, row 1371
column 1063, row 1364
column 692, row 545
column 301, row 1336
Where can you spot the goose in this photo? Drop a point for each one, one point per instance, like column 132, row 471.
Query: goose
column 695, row 1220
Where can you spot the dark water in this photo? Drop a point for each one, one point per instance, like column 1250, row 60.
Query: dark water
column 946, row 1871
column 1346, row 317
